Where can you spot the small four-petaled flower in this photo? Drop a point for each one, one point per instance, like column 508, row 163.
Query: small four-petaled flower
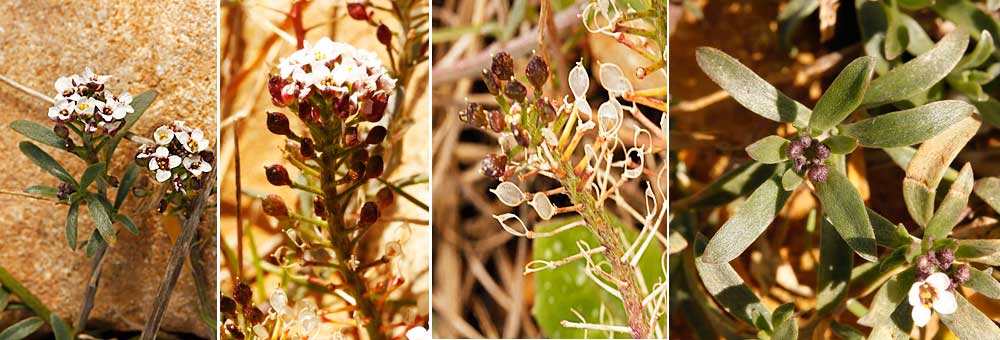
column 933, row 292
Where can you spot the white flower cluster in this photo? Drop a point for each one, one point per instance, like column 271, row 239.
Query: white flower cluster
column 83, row 98
column 333, row 70
column 176, row 145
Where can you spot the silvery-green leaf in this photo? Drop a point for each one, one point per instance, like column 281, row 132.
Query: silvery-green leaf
column 918, row 74
column 927, row 167
column 60, row 330
column 949, row 213
column 915, row 4
column 990, row 111
column 988, row 189
column 749, row 89
column 71, row 222
column 968, row 322
column 887, row 234
column 22, row 329
column 127, row 222
column 979, row 55
column 843, row 206
column 980, row 251
column 834, row 272
column 841, row 145
column 729, row 290
column 983, row 282
column 896, row 36
column 734, row 183
column 38, row 132
column 783, row 319
column 873, row 23
column 747, row 223
column 90, row 174
column 101, row 219
column 46, row 162
column 791, row 16
column 43, row 190
column 889, row 313
column 844, row 94
column 846, row 332
column 970, row 18
column 908, row 127
column 920, row 42
column 125, row 186
column 768, row 150
column 790, row 180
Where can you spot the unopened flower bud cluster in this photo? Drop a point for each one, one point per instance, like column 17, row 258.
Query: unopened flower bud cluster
column 84, row 102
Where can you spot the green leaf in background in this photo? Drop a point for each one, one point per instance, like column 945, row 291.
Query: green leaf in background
column 729, row 290
column 918, row 74
column 990, row 111
column 841, row 145
column 979, row 55
column 915, row 4
column 988, row 189
column 60, row 330
column 844, row 94
column 44, row 161
column 22, row 329
column 843, row 206
column 566, row 288
column 749, row 89
column 38, row 132
column 983, row 282
column 873, row 23
column 949, row 213
column 790, row 17
column 896, row 36
column 139, row 105
column 768, row 150
column 94, row 242
column 834, row 272
column 125, row 187
column 785, row 327
column 967, row 16
column 908, row 127
column 747, row 223
column 846, row 332
column 101, row 219
column 887, row 234
column 735, row 183
column 981, row 251
column 920, row 42
column 71, row 220
column 4, row 299
column 127, row 222
column 889, row 313
column 90, row 174
column 43, row 190
column 928, row 165
column 790, row 180
column 969, row 323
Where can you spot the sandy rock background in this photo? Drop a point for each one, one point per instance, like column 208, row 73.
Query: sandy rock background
column 166, row 46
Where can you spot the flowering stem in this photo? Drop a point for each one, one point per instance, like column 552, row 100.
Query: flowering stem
column 91, row 290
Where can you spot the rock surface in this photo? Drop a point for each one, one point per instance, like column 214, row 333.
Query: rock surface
column 166, row 46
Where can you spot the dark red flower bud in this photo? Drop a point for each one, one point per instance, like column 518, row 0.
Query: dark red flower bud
column 945, row 258
column 385, row 197
column 69, row 144
column 319, row 207
column 277, row 123
column 818, row 172
column 369, row 214
column 242, row 293
column 113, row 181
column 274, row 86
column 360, row 156
column 537, row 71
column 925, row 267
column 61, row 131
column 356, row 172
column 162, row 207
column 515, row 91
column 547, row 113
column 379, row 102
column 374, row 167
column 498, row 122
column 357, row 11
column 277, row 175
column 521, row 135
column 351, row 136
column 227, row 305
column 235, row 331
column 494, row 165
column 962, row 275
column 308, row 113
column 376, row 135
column 384, row 35
column 502, row 66
column 254, row 315
column 307, row 149
column 492, row 82
column 275, row 206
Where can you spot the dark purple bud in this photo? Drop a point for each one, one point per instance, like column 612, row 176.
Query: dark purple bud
column 384, row 35
column 242, row 293
column 515, row 90
column 379, row 102
column 385, row 197
column 274, row 206
column 962, row 275
column 945, row 258
column 307, row 149
column 796, row 149
column 799, row 164
column 374, row 167
column 537, row 71
column 492, row 82
column 376, row 135
column 277, row 123
column 806, row 140
column 369, row 214
column 925, row 267
column 521, row 135
column 818, row 172
column 227, row 305
column 113, row 181
column 357, row 11
column 254, row 315
column 61, row 131
column 319, row 207
column 235, row 331
column 547, row 113
column 277, row 175
column 162, row 207
column 207, row 156
column 473, row 115
column 822, row 151
column 70, row 144
column 502, row 66
column 351, row 136
column 498, row 123
column 494, row 165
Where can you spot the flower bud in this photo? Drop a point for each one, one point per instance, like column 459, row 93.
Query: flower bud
column 547, row 113
column 515, row 90
column 308, row 113
column 227, row 305
column 274, row 206
column 796, row 149
column 277, row 123
column 162, row 207
column 319, row 207
column 945, row 258
column 307, row 149
column 242, row 293
column 799, row 164
column 962, row 275
column 492, row 82
column 473, row 115
column 234, row 331
column 374, row 168
column 277, row 175
column 818, row 172
column 65, row 189
column 357, row 11
column 494, row 165
column 521, row 135
column 351, row 136
column 925, row 267
column 357, row 171
column 275, row 85
column 61, row 131
column 806, row 140
column 113, row 181
column 360, row 156
column 254, row 315
column 498, row 123
column 207, row 156
column 380, row 100
column 69, row 144
column 502, row 66
column 376, row 135
column 537, row 71
column 822, row 151
column 369, row 214
column 383, row 34
column 385, row 197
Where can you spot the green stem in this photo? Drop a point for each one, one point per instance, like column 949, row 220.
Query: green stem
column 11, row 284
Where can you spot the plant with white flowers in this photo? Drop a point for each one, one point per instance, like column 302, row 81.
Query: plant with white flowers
column 178, row 156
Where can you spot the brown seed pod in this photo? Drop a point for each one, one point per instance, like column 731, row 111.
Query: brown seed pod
column 503, row 65
column 498, row 122
column 351, row 136
column 515, row 90
column 275, row 206
column 277, row 123
column 277, row 175
column 369, row 214
column 385, row 197
column 537, row 71
column 242, row 293
column 376, row 135
column 307, row 149
column 383, row 34
column 374, row 167
column 494, row 165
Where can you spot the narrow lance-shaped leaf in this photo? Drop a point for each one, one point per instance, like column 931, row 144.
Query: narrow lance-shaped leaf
column 44, row 161
column 38, row 132
column 783, row 319
column 22, row 329
column 889, row 313
column 918, row 74
column 887, row 234
column 983, row 282
column 60, row 330
column 844, row 94
column 90, row 174
column 928, row 166
column 969, row 323
column 100, row 216
column 919, row 41
column 834, row 272
column 949, row 212
column 749, row 89
column 873, row 23
column 969, row 17
column 896, row 36
column 768, row 150
column 71, row 222
column 988, row 189
column 843, row 206
column 735, row 183
column 790, row 17
column 726, row 286
column 908, row 127
column 985, row 251
column 43, row 190
column 979, row 55
column 125, row 187
column 747, row 223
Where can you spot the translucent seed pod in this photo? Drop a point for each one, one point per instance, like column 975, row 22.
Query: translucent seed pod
column 503, row 223
column 543, row 206
column 613, row 79
column 609, row 117
column 634, row 172
column 278, row 300
column 509, row 194
column 261, row 332
column 584, row 108
column 579, row 81
column 549, row 137
column 309, row 320
column 393, row 249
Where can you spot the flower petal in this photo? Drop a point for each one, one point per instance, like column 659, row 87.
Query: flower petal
column 914, row 294
column 940, row 281
column 920, row 315
column 162, row 175
column 945, row 302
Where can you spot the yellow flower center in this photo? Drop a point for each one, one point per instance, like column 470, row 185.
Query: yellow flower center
column 927, row 295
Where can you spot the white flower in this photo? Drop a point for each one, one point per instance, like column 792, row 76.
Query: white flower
column 65, row 87
column 90, row 76
column 418, row 333
column 120, row 106
column 195, row 165
column 62, row 111
column 162, row 163
column 194, row 141
column 163, row 135
column 87, row 105
column 146, row 151
column 931, row 293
